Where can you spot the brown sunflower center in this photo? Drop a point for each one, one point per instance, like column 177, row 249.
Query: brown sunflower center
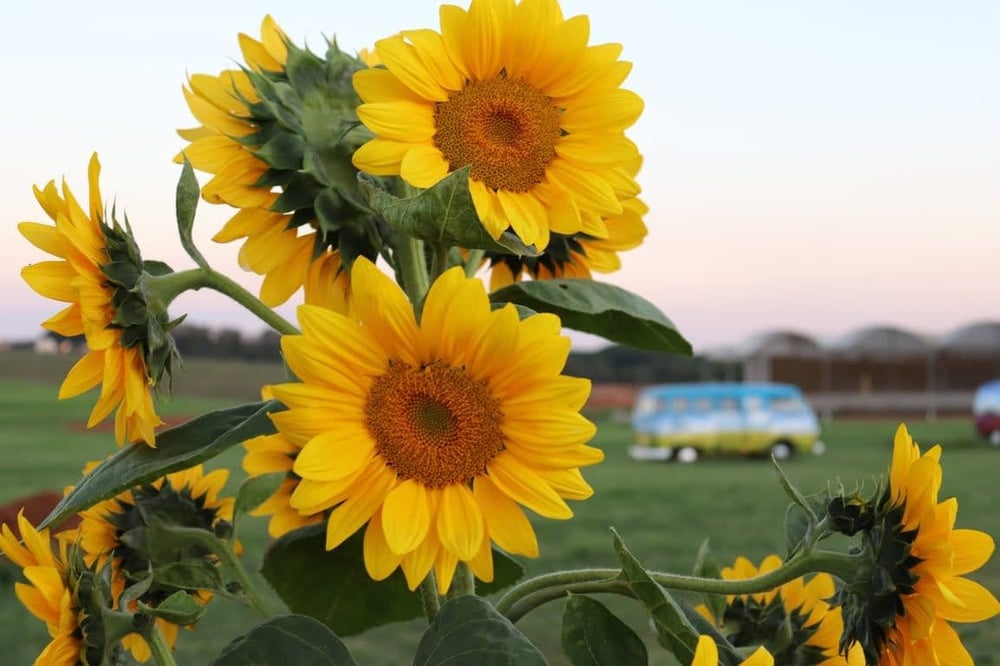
column 434, row 424
column 505, row 128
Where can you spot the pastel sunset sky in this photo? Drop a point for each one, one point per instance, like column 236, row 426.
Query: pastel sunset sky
column 813, row 165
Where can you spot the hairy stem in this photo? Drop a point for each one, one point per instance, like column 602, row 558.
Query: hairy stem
column 429, row 596
column 158, row 646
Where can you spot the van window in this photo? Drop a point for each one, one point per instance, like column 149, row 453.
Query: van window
column 753, row 403
column 788, row 404
column 648, row 404
column 729, row 405
column 702, row 405
column 679, row 405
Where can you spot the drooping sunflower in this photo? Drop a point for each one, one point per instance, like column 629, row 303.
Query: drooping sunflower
column 434, row 434
column 707, row 654
column 799, row 607
column 919, row 562
column 575, row 256
column 295, row 208
column 189, row 498
column 515, row 93
column 56, row 594
column 122, row 356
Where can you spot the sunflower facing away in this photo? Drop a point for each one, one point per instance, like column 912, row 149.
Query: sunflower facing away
column 515, row 93
column 270, row 454
column 918, row 587
column 51, row 593
column 798, row 607
column 189, row 498
column 284, row 238
column 707, row 654
column 434, row 434
column 80, row 241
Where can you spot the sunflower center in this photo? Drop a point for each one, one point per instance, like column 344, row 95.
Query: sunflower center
column 505, row 128
column 434, row 424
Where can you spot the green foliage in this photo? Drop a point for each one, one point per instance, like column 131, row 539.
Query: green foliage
column 593, row 636
column 295, row 562
column 177, row 448
column 705, row 566
column 673, row 628
column 286, row 640
column 253, row 492
column 602, row 309
column 179, row 608
column 468, row 631
column 186, row 203
column 443, row 213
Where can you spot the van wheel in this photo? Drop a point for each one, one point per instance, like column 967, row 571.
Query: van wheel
column 782, row 451
column 995, row 438
column 686, row 454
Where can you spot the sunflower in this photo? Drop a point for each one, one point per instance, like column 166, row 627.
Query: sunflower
column 270, row 454
column 707, row 654
column 258, row 165
column 435, row 433
column 515, row 93
column 51, row 593
column 917, row 585
column 575, row 256
column 765, row 618
column 116, row 358
column 190, row 498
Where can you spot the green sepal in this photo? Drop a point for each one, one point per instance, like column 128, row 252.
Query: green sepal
column 593, row 636
column 177, row 448
column 189, row 574
column 601, row 309
column 294, row 563
column 705, row 566
column 443, row 213
column 186, row 203
column 286, row 640
column 179, row 608
column 468, row 631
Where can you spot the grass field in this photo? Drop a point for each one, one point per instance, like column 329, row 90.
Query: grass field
column 663, row 511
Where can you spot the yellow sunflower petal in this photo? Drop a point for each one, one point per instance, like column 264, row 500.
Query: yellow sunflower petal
column 507, row 525
column 380, row 560
column 406, row 517
column 521, row 484
column 352, row 513
column 460, row 522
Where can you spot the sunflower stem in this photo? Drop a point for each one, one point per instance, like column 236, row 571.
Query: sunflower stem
column 464, row 582
column 158, row 646
column 163, row 289
column 537, row 591
column 473, row 260
column 440, row 262
column 409, row 256
column 229, row 562
column 429, row 596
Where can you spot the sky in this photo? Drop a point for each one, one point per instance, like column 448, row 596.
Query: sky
column 819, row 166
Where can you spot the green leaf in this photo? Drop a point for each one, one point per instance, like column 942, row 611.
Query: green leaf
column 177, row 448
column 298, row 561
column 672, row 626
column 443, row 213
column 286, row 640
column 593, row 636
column 179, row 608
column 154, row 267
column 599, row 308
column 797, row 527
column 186, row 203
column 254, row 491
column 468, row 631
column 705, row 566
column 294, row 563
column 189, row 574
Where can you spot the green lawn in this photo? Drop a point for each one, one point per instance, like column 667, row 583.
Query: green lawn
column 663, row 511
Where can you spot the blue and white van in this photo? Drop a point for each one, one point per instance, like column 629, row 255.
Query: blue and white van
column 684, row 421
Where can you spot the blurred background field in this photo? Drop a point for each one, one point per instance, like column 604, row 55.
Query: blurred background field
column 663, row 511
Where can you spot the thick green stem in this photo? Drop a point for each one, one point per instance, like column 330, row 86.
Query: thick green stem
column 537, row 591
column 473, row 260
column 463, row 583
column 229, row 562
column 429, row 596
column 440, row 264
column 158, row 646
column 412, row 265
column 165, row 288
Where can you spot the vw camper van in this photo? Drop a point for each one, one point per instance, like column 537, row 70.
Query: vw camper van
column 986, row 410
column 684, row 421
